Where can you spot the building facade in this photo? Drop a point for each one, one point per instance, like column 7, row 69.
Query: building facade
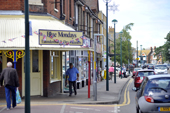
column 56, row 30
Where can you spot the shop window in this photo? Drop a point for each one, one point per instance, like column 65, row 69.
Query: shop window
column 54, row 65
column 70, row 8
column 72, row 60
column 35, row 61
column 72, row 53
column 0, row 62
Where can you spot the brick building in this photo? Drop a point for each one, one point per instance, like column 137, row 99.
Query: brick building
column 49, row 19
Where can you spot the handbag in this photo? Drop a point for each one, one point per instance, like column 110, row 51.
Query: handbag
column 18, row 97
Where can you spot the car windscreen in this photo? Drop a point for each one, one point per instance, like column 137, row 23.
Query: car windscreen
column 160, row 67
column 145, row 73
column 136, row 69
column 158, row 85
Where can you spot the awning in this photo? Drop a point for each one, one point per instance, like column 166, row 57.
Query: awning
column 12, row 33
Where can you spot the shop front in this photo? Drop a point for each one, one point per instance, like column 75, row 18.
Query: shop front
column 49, row 40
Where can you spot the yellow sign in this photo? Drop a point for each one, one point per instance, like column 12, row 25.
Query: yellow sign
column 54, row 37
column 137, row 58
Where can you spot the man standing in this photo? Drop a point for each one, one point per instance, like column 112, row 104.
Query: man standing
column 124, row 71
column 11, row 82
column 73, row 74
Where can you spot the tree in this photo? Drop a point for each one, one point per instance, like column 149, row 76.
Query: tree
column 163, row 50
column 125, row 53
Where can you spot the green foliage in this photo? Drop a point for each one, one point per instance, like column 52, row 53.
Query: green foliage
column 163, row 50
column 125, row 49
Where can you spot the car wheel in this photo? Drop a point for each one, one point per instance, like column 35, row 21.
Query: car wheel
column 138, row 110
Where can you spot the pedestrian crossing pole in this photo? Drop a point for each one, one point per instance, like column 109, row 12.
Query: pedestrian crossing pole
column 89, row 78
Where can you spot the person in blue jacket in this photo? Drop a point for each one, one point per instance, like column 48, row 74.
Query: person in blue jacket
column 73, row 74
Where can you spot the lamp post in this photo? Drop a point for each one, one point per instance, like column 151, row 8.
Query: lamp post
column 121, row 51
column 129, row 55
column 107, row 77
column 27, row 60
column 114, row 22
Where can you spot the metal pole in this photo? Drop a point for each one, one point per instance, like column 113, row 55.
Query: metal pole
column 114, row 55
column 89, row 54
column 94, row 72
column 121, row 54
column 129, row 56
column 27, row 60
column 107, row 77
column 137, row 53
column 15, row 59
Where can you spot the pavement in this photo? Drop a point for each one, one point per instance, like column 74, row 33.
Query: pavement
column 103, row 97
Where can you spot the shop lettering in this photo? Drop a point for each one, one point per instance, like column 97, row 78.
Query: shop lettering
column 61, row 34
column 50, row 33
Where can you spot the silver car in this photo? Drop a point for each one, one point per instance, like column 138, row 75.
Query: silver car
column 153, row 95
column 161, row 69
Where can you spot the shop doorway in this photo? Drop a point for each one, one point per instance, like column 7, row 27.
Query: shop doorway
column 35, row 73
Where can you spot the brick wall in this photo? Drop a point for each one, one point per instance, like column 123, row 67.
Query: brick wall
column 10, row 4
column 49, row 89
column 46, row 72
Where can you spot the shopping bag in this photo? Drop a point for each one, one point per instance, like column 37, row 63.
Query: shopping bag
column 18, row 97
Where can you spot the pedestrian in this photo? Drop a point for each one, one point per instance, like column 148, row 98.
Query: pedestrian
column 111, row 70
column 10, row 77
column 73, row 74
column 124, row 71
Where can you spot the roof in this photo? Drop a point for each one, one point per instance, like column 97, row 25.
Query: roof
column 12, row 32
column 146, row 70
column 146, row 52
column 158, row 76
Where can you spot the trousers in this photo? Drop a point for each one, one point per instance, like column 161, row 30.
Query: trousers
column 9, row 89
column 72, row 83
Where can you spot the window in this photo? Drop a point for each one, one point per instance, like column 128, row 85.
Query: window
column 70, row 7
column 55, row 65
column 64, row 6
column 55, row 6
column 35, row 61
column 0, row 62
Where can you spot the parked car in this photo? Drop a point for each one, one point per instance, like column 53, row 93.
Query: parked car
column 140, row 75
column 161, row 69
column 135, row 70
column 154, row 95
column 150, row 66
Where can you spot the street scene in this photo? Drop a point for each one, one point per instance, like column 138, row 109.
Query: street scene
column 84, row 56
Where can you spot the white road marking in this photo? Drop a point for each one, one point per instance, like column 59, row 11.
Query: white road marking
column 2, row 109
column 62, row 109
column 85, row 108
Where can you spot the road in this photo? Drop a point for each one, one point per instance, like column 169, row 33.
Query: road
column 126, row 105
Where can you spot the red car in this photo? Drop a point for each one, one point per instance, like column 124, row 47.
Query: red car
column 140, row 75
column 135, row 70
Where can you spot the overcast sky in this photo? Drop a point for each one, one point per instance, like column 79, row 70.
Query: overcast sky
column 151, row 20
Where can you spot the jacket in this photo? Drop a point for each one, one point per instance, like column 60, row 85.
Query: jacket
column 10, row 77
column 111, row 69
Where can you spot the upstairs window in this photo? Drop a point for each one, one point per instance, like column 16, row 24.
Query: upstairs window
column 70, row 8
column 63, row 6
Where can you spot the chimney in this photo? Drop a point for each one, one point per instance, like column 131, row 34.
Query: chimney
column 111, row 29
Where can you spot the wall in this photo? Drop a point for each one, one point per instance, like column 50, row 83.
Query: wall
column 49, row 89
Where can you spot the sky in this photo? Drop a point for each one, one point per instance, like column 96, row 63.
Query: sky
column 151, row 20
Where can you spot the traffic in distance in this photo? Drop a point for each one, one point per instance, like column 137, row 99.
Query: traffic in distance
column 152, row 87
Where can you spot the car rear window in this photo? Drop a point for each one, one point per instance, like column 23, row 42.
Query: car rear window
column 154, row 85
column 145, row 73
column 160, row 67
